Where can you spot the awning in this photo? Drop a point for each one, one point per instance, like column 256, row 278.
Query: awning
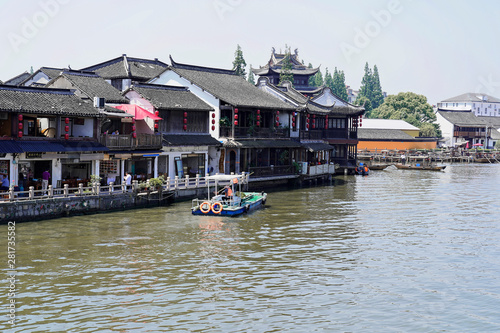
column 60, row 146
column 136, row 111
column 117, row 114
column 316, row 146
column 9, row 146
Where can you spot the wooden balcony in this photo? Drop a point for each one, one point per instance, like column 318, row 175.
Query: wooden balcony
column 255, row 132
column 464, row 134
column 334, row 133
column 127, row 142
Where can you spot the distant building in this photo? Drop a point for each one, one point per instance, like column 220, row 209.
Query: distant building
column 478, row 103
column 470, row 118
column 380, row 134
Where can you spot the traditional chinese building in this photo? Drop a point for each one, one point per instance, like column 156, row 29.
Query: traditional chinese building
column 301, row 73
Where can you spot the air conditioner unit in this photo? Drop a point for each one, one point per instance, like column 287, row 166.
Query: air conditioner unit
column 99, row 102
column 4, row 116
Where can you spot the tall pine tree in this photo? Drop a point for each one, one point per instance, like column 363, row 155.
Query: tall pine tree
column 329, row 81
column 339, row 87
column 251, row 77
column 318, row 79
column 286, row 68
column 239, row 62
column 377, row 96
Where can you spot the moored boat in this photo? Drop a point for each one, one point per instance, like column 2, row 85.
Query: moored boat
column 227, row 204
column 420, row 167
column 378, row 166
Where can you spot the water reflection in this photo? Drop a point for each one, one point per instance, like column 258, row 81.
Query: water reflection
column 397, row 250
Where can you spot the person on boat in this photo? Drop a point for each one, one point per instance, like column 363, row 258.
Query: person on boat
column 228, row 193
column 366, row 170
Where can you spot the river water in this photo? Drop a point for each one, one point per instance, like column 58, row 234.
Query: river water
column 396, row 251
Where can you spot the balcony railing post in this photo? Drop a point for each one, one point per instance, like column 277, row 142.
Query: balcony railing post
column 80, row 189
column 31, row 192
column 186, row 183
column 66, row 190
column 197, row 180
column 168, row 184
column 111, row 187
column 176, row 182
column 51, row 191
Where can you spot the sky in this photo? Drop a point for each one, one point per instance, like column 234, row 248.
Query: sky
column 437, row 48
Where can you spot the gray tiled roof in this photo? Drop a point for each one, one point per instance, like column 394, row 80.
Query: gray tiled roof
column 170, row 97
column 491, row 121
column 127, row 67
column 190, row 140
column 44, row 101
column 383, row 134
column 472, row 97
column 18, row 79
column 462, row 118
column 93, row 85
column 229, row 87
column 49, row 71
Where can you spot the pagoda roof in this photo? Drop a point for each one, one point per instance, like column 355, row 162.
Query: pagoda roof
column 275, row 64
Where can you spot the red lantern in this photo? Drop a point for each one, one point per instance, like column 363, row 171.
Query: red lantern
column 20, row 134
column 134, row 135
column 277, row 112
column 258, row 123
column 314, row 126
column 258, row 111
column 307, row 126
column 314, row 116
column 277, row 118
column 236, row 123
column 156, row 126
column 20, row 126
column 185, row 121
column 213, row 115
column 185, row 127
column 66, row 128
column 293, row 124
column 66, row 121
column 235, row 116
column 213, row 128
column 66, row 136
column 133, row 128
column 308, row 115
column 157, row 113
column 236, row 111
column 277, row 124
column 20, row 117
column 307, row 120
column 258, row 117
column 293, row 119
column 213, row 121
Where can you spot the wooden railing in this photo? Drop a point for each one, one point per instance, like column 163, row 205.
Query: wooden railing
column 335, row 133
column 255, row 132
column 142, row 141
column 270, row 171
column 169, row 184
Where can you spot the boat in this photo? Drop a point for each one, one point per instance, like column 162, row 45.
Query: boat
column 420, row 167
column 362, row 170
column 378, row 166
column 227, row 205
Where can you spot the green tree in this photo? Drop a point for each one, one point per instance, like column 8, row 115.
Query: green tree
column 251, row 77
column 363, row 101
column 366, row 84
column 412, row 108
column 377, row 97
column 311, row 78
column 318, row 79
column 329, row 81
column 339, row 87
column 239, row 62
column 286, row 68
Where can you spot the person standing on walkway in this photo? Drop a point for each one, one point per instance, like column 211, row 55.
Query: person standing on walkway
column 403, row 158
column 45, row 180
column 127, row 178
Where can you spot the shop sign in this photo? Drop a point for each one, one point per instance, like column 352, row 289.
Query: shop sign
column 34, row 155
